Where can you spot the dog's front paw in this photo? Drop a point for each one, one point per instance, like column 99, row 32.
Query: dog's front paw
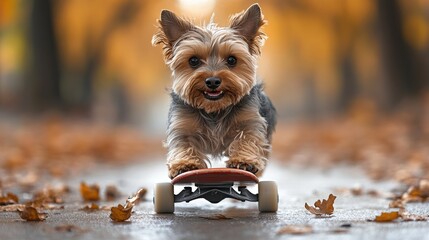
column 250, row 167
column 183, row 166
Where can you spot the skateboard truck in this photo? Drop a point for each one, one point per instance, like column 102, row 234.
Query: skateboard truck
column 215, row 193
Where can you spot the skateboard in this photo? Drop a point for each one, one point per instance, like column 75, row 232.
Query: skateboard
column 214, row 185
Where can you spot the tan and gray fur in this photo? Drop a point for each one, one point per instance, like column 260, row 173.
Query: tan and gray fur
column 218, row 106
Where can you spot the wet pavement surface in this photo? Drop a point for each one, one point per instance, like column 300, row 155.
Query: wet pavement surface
column 228, row 219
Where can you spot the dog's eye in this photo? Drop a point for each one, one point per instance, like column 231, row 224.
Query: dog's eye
column 231, row 61
column 194, row 62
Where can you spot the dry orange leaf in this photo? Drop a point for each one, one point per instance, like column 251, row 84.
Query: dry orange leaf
column 387, row 216
column 50, row 195
column 401, row 214
column 138, row 196
column 112, row 193
column 325, row 207
column 31, row 214
column 90, row 192
column 417, row 192
column 91, row 208
column 10, row 198
column 122, row 213
column 296, row 229
column 398, row 203
column 12, row 207
column 406, row 216
column 424, row 187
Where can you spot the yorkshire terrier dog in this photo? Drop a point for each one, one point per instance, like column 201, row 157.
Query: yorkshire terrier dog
column 218, row 106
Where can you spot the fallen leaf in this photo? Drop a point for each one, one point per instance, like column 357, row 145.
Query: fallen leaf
column 357, row 190
column 424, row 188
column 31, row 214
column 40, row 205
column 296, row 229
column 10, row 198
column 112, row 193
column 50, row 195
column 406, row 216
column 120, row 213
column 325, row 207
column 12, row 208
column 398, row 203
column 374, row 193
column 417, row 191
column 414, row 191
column 387, row 217
column 91, row 208
column 216, row 217
column 141, row 193
column 90, row 192
column 402, row 214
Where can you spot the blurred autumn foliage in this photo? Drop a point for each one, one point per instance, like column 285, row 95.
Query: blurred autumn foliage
column 39, row 150
column 387, row 146
column 95, row 58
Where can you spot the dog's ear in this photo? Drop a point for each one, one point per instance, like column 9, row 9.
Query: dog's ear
column 248, row 24
column 171, row 28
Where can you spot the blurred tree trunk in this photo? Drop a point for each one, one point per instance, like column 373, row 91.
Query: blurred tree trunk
column 96, row 52
column 348, row 84
column 43, row 72
column 346, row 32
column 400, row 80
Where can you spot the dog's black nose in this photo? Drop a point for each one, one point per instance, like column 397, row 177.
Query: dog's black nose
column 213, row 82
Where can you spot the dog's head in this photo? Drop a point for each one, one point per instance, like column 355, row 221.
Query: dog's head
column 213, row 67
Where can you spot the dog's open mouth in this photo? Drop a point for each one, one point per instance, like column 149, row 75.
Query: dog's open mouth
column 213, row 95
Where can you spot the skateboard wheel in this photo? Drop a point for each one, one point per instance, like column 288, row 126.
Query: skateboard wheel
column 268, row 198
column 163, row 198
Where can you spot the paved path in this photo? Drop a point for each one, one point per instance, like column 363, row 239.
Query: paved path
column 192, row 220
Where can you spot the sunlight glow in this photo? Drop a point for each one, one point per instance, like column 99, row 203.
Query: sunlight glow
column 197, row 8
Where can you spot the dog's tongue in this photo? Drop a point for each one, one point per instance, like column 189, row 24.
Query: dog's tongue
column 214, row 93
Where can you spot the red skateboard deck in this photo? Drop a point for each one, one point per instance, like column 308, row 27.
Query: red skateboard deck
column 216, row 175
